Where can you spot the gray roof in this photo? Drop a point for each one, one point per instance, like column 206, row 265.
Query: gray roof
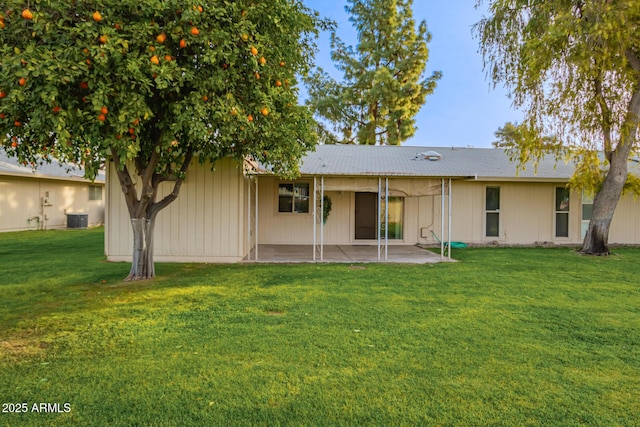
column 410, row 161
column 53, row 170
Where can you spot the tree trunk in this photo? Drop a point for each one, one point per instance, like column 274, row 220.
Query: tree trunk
column 596, row 242
column 142, row 266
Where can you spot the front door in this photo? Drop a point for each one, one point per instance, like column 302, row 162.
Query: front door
column 366, row 216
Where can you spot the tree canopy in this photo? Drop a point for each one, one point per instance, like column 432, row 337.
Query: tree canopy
column 574, row 69
column 383, row 85
column 151, row 84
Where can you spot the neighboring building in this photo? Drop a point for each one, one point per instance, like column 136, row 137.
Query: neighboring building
column 486, row 202
column 38, row 199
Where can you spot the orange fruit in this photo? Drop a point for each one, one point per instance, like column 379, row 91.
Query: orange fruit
column 245, row 37
column 183, row 43
column 250, row 117
column 132, row 131
column 155, row 60
column 205, row 98
column 102, row 117
column 264, row 111
column 103, row 39
column 282, row 63
column 257, row 75
column 2, row 116
column 14, row 144
column 17, row 123
column 104, row 110
column 234, row 112
column 97, row 16
column 262, row 60
column 254, row 51
column 195, row 31
column 199, row 8
column 84, row 85
column 161, row 38
column 136, row 122
column 168, row 58
column 26, row 14
column 56, row 109
column 278, row 83
column 3, row 94
column 22, row 81
column 152, row 48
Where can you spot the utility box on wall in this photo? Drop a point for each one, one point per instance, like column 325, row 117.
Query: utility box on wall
column 79, row 220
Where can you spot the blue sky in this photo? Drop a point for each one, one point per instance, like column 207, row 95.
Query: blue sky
column 464, row 110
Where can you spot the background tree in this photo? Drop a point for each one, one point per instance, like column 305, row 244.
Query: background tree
column 574, row 68
column 151, row 85
column 383, row 87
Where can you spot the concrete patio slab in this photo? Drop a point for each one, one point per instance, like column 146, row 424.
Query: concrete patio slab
column 344, row 254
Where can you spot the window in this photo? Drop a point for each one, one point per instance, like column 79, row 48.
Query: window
column 587, row 211
column 396, row 214
column 293, row 197
column 95, row 192
column 492, row 212
column 562, row 212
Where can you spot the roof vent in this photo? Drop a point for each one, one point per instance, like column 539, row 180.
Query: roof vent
column 431, row 155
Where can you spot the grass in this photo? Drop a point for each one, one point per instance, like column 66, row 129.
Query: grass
column 503, row 337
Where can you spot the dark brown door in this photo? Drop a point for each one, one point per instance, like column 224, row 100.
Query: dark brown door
column 366, row 215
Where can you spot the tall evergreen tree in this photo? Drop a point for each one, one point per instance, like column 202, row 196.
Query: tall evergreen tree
column 383, row 85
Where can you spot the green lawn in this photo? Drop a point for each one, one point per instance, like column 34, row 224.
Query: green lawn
column 506, row 337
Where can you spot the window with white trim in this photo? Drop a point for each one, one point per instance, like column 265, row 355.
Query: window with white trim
column 95, row 192
column 492, row 212
column 562, row 211
column 587, row 211
column 293, row 197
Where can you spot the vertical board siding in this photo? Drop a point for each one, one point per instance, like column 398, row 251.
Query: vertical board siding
column 201, row 224
column 625, row 227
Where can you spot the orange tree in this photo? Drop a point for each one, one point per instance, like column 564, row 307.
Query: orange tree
column 151, row 86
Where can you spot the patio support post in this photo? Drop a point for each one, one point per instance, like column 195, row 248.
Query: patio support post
column 442, row 223
column 322, row 218
column 379, row 223
column 315, row 215
column 249, row 183
column 386, row 218
column 450, row 194
column 256, row 219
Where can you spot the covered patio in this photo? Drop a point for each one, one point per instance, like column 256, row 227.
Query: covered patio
column 408, row 254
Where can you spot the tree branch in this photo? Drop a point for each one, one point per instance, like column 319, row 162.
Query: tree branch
column 606, row 118
column 157, row 207
column 633, row 59
column 128, row 187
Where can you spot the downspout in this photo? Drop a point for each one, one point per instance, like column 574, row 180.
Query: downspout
column 450, row 217
column 315, row 215
column 378, row 215
column 386, row 218
column 442, row 221
column 256, row 227
column 322, row 219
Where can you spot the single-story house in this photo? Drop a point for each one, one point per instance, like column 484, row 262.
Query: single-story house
column 44, row 197
column 367, row 195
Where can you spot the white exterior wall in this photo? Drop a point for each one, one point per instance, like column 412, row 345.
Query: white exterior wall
column 20, row 203
column 206, row 223
column 527, row 216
